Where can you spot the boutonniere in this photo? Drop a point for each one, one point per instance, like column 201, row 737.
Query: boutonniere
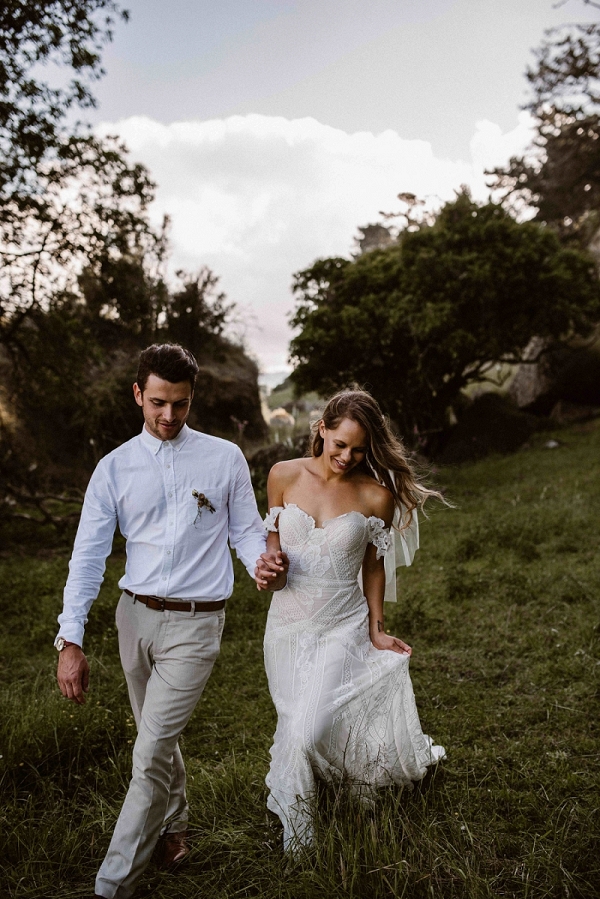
column 202, row 502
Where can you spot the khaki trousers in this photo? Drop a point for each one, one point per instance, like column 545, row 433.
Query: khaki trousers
column 167, row 658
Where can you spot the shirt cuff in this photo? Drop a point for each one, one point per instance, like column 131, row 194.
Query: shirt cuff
column 72, row 633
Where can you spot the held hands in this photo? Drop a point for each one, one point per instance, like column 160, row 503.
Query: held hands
column 73, row 674
column 271, row 571
column 381, row 640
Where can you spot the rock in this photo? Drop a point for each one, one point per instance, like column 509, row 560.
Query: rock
column 567, row 374
column 227, row 395
column 532, row 379
column 490, row 424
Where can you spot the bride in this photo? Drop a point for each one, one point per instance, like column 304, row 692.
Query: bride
column 339, row 681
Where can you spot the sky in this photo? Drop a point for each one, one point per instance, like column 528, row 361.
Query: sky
column 275, row 128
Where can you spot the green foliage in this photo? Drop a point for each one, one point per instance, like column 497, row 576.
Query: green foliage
column 501, row 608
column 70, row 366
column 418, row 321
column 560, row 173
column 90, row 210
column 67, row 199
column 70, row 33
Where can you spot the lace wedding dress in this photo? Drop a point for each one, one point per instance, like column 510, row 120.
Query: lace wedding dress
column 345, row 709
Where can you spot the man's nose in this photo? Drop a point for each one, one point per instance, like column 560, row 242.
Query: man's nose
column 169, row 412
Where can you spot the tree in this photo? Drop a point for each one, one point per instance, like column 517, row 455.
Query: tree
column 82, row 281
column 34, row 35
column 68, row 370
column 198, row 313
column 418, row 321
column 560, row 173
column 92, row 210
column 68, row 201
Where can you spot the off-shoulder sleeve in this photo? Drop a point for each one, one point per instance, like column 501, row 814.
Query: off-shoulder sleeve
column 379, row 535
column 270, row 521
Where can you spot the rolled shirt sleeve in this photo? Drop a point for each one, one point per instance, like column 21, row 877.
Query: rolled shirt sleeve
column 93, row 544
column 246, row 532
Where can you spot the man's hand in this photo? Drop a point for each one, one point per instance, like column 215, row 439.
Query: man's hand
column 271, row 571
column 73, row 673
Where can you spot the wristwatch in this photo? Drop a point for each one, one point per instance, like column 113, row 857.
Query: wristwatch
column 61, row 643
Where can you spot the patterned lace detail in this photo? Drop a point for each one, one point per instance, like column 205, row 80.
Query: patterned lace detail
column 270, row 520
column 311, row 560
column 379, row 535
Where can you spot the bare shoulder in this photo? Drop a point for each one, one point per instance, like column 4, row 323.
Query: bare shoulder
column 284, row 474
column 378, row 499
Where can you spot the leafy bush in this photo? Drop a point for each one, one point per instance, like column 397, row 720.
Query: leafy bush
column 417, row 321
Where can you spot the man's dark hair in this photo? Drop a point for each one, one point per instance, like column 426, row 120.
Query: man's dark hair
column 168, row 361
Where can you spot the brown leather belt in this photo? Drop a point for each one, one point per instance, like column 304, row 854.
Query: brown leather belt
column 177, row 605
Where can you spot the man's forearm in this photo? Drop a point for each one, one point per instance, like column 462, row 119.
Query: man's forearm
column 92, row 545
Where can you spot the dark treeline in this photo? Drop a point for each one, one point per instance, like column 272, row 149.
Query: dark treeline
column 441, row 307
column 83, row 285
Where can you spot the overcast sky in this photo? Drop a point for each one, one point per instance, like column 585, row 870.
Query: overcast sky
column 274, row 128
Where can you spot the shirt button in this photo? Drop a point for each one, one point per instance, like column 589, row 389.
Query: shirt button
column 168, row 464
column 170, row 494
column 168, row 552
column 164, row 577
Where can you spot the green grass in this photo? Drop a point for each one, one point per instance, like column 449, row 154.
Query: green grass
column 502, row 610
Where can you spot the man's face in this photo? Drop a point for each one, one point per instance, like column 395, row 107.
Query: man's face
column 166, row 406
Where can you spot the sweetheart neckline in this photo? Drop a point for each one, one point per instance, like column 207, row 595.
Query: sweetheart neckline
column 321, row 527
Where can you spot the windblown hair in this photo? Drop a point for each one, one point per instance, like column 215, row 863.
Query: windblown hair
column 168, row 361
column 386, row 460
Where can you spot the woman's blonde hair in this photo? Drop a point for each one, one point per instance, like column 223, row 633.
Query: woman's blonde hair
column 386, row 460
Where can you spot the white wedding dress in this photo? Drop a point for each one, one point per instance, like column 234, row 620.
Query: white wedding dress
column 345, row 709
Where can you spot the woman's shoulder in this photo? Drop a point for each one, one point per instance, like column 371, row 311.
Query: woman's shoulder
column 377, row 498
column 287, row 472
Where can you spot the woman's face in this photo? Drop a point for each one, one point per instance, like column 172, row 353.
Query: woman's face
column 344, row 447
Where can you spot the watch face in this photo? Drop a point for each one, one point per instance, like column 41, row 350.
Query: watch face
column 60, row 644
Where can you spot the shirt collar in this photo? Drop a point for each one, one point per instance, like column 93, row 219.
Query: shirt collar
column 154, row 444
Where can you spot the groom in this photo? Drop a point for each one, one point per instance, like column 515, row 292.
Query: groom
column 180, row 498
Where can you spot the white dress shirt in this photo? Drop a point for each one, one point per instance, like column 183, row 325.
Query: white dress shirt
column 174, row 548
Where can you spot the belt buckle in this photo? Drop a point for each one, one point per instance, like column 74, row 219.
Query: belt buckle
column 192, row 608
column 161, row 600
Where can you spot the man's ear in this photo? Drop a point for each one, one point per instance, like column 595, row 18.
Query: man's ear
column 138, row 395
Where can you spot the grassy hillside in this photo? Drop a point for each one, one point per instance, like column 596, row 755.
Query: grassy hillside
column 502, row 610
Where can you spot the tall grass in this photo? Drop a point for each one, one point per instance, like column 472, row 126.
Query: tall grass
column 502, row 610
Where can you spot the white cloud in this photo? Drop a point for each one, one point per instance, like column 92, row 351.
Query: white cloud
column 260, row 197
column 491, row 148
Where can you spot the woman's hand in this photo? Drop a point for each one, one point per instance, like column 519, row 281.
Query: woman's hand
column 271, row 571
column 382, row 640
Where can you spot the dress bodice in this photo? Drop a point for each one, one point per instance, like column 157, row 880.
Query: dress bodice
column 333, row 552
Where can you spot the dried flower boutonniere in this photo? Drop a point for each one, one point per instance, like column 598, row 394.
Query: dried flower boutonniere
column 202, row 502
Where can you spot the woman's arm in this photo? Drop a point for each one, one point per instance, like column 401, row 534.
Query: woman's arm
column 374, row 589
column 374, row 581
column 271, row 568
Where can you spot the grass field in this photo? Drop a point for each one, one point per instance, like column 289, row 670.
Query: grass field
column 502, row 610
